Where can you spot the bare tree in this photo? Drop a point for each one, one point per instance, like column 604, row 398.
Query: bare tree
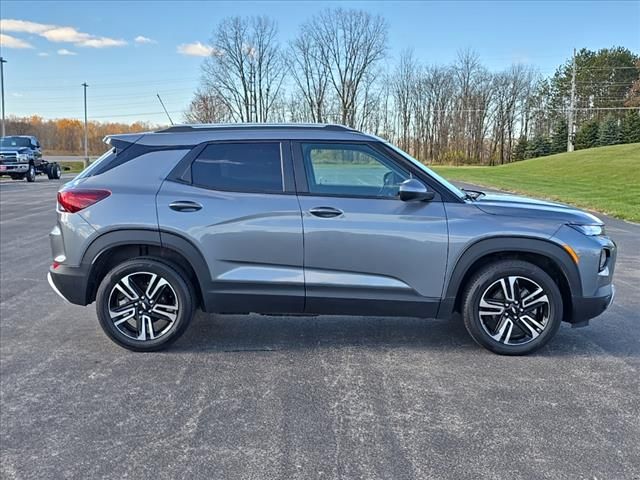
column 310, row 74
column 350, row 44
column 246, row 67
column 206, row 108
column 403, row 84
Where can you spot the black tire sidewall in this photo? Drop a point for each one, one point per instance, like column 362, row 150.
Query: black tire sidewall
column 175, row 278
column 483, row 279
column 29, row 176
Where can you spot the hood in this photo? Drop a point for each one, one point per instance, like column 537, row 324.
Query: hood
column 14, row 149
column 517, row 206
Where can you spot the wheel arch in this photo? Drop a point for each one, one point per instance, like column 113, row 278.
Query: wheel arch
column 546, row 254
column 113, row 247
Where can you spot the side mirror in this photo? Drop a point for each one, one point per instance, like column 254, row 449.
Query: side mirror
column 413, row 190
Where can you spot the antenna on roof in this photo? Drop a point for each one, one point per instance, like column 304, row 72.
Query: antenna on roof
column 165, row 109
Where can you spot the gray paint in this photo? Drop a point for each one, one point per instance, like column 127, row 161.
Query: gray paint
column 269, row 253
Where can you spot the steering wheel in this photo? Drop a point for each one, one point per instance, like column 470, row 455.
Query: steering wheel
column 389, row 180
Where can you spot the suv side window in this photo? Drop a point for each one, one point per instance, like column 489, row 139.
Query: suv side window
column 239, row 167
column 351, row 170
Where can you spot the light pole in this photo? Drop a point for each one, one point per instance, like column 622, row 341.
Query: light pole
column 2, row 62
column 86, row 134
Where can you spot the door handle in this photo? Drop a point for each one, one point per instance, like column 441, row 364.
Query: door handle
column 185, row 206
column 325, row 212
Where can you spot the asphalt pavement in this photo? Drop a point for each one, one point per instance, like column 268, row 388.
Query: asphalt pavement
column 256, row 397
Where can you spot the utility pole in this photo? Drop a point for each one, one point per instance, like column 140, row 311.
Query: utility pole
column 86, row 128
column 572, row 106
column 2, row 62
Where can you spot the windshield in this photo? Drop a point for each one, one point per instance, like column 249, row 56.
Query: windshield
column 8, row 142
column 459, row 193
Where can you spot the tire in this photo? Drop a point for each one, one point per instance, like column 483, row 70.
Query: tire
column 31, row 173
column 503, row 314
column 54, row 171
column 49, row 171
column 130, row 326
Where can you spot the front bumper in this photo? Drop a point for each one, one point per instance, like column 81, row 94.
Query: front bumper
column 70, row 283
column 7, row 168
column 586, row 308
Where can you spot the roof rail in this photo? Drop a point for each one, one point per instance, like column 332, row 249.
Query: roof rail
column 251, row 126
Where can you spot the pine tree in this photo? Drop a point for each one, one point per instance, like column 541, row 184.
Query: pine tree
column 559, row 137
column 538, row 147
column 587, row 135
column 520, row 149
column 609, row 133
column 631, row 127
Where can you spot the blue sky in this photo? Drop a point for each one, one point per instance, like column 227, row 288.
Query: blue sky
column 46, row 64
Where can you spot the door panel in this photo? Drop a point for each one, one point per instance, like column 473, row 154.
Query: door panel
column 377, row 250
column 366, row 251
column 252, row 244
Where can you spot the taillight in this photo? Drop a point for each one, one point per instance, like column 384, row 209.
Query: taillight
column 74, row 200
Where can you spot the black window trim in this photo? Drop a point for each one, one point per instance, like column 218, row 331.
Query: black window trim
column 181, row 173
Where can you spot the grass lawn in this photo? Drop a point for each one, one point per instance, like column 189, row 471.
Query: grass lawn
column 605, row 179
column 74, row 167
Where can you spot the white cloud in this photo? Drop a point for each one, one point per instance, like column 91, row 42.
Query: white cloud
column 65, row 52
column 8, row 41
column 142, row 39
column 195, row 49
column 43, row 54
column 56, row 33
column 17, row 94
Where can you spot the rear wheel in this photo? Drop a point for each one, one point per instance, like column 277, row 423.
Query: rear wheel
column 512, row 307
column 56, row 171
column 144, row 304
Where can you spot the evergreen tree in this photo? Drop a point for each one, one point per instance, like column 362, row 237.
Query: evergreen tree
column 631, row 127
column 520, row 150
column 559, row 137
column 587, row 135
column 538, row 147
column 609, row 133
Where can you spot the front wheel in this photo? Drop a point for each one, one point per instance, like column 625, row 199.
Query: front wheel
column 512, row 307
column 144, row 304
column 31, row 173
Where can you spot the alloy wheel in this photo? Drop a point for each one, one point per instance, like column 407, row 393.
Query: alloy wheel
column 143, row 306
column 514, row 310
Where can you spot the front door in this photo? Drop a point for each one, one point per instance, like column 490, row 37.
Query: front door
column 365, row 250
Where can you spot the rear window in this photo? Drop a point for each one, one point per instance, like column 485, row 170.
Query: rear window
column 98, row 163
column 239, row 167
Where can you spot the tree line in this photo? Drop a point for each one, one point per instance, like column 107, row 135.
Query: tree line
column 65, row 136
column 336, row 70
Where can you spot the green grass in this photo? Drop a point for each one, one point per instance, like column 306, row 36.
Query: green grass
column 74, row 167
column 605, row 179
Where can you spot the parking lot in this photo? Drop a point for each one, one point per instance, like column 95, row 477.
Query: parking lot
column 257, row 397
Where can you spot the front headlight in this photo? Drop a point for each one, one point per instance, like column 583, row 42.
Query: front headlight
column 23, row 157
column 589, row 230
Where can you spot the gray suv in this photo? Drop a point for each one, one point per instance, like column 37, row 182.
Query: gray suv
column 314, row 219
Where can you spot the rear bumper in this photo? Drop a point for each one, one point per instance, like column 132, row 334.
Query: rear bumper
column 70, row 283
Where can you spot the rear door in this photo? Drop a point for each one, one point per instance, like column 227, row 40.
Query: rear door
column 235, row 201
column 366, row 251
